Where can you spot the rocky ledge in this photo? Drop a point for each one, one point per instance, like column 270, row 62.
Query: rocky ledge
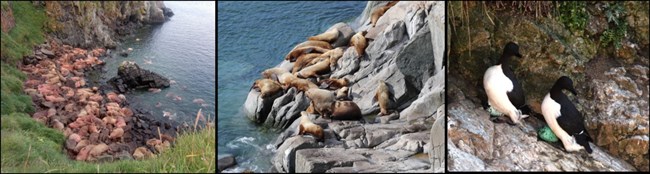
column 405, row 50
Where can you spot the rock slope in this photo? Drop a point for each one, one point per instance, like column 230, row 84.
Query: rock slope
column 405, row 50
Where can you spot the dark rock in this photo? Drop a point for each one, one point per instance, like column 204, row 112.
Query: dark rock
column 48, row 53
column 167, row 12
column 226, row 161
column 124, row 54
column 130, row 76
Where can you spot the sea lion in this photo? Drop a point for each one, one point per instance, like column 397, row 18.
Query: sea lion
column 307, row 126
column 301, row 84
column 327, row 36
column 334, row 56
column 298, row 49
column 296, row 52
column 333, row 83
column 267, row 87
column 346, row 110
column 342, row 94
column 383, row 97
column 303, row 61
column 322, row 100
column 312, row 71
column 279, row 74
column 377, row 13
column 358, row 41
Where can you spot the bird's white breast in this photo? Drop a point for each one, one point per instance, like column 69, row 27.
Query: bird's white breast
column 496, row 86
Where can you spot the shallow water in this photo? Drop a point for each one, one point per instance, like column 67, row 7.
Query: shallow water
column 181, row 49
column 254, row 36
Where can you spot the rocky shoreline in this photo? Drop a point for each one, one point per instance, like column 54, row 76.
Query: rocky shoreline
column 98, row 123
column 405, row 50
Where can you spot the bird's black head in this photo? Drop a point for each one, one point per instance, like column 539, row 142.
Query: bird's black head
column 565, row 83
column 511, row 49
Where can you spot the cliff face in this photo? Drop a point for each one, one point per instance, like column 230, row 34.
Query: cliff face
column 405, row 50
column 93, row 24
column 601, row 46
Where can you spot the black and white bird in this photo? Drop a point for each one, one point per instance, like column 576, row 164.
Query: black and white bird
column 503, row 90
column 564, row 119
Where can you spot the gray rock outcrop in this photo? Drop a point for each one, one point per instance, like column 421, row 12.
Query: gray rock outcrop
column 131, row 76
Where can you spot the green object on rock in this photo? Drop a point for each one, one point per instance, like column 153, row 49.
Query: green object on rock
column 547, row 134
column 493, row 112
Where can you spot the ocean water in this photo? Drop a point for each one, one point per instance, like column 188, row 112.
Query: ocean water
column 181, row 49
column 254, row 36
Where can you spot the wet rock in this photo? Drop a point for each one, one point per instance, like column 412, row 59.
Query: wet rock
column 131, row 76
column 258, row 108
column 284, row 160
column 225, row 161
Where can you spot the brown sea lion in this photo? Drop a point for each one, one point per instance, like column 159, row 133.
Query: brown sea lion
column 279, row 74
column 377, row 13
column 358, row 41
column 346, row 110
column 307, row 126
column 342, row 94
column 322, row 100
column 328, row 36
column 313, row 70
column 383, row 97
column 296, row 52
column 334, row 55
column 303, row 60
column 333, row 83
column 301, row 84
column 267, row 87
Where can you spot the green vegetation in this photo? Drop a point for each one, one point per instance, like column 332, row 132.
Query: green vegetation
column 615, row 33
column 30, row 146
column 574, row 15
column 28, row 32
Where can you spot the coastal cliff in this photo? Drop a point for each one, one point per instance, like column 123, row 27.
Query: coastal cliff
column 405, row 50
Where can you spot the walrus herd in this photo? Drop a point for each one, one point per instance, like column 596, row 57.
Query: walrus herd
column 313, row 62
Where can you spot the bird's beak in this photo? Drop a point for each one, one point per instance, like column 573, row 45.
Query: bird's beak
column 573, row 91
column 518, row 55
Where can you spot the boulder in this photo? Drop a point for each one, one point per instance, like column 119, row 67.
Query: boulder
column 225, row 161
column 131, row 76
column 285, row 158
column 257, row 108
column 437, row 143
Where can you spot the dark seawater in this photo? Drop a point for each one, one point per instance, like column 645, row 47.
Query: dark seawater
column 254, row 36
column 181, row 49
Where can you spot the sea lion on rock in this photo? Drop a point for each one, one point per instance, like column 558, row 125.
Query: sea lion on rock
column 320, row 46
column 328, row 36
column 377, row 13
column 383, row 97
column 346, row 110
column 342, row 94
column 307, row 126
column 267, row 87
column 297, row 52
column 333, row 83
column 358, row 41
column 301, row 84
column 312, row 71
column 322, row 100
column 303, row 60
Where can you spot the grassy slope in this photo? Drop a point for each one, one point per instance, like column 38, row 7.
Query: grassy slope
column 29, row 146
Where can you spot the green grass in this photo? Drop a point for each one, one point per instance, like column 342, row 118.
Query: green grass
column 30, row 146
column 574, row 15
column 27, row 32
column 617, row 29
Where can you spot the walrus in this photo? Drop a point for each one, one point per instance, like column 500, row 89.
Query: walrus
column 313, row 70
column 322, row 100
column 267, row 87
column 296, row 52
column 333, row 83
column 346, row 110
column 342, row 94
column 298, row 49
column 383, row 97
column 307, row 126
column 328, row 36
column 358, row 41
column 304, row 60
column 301, row 84
column 377, row 13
